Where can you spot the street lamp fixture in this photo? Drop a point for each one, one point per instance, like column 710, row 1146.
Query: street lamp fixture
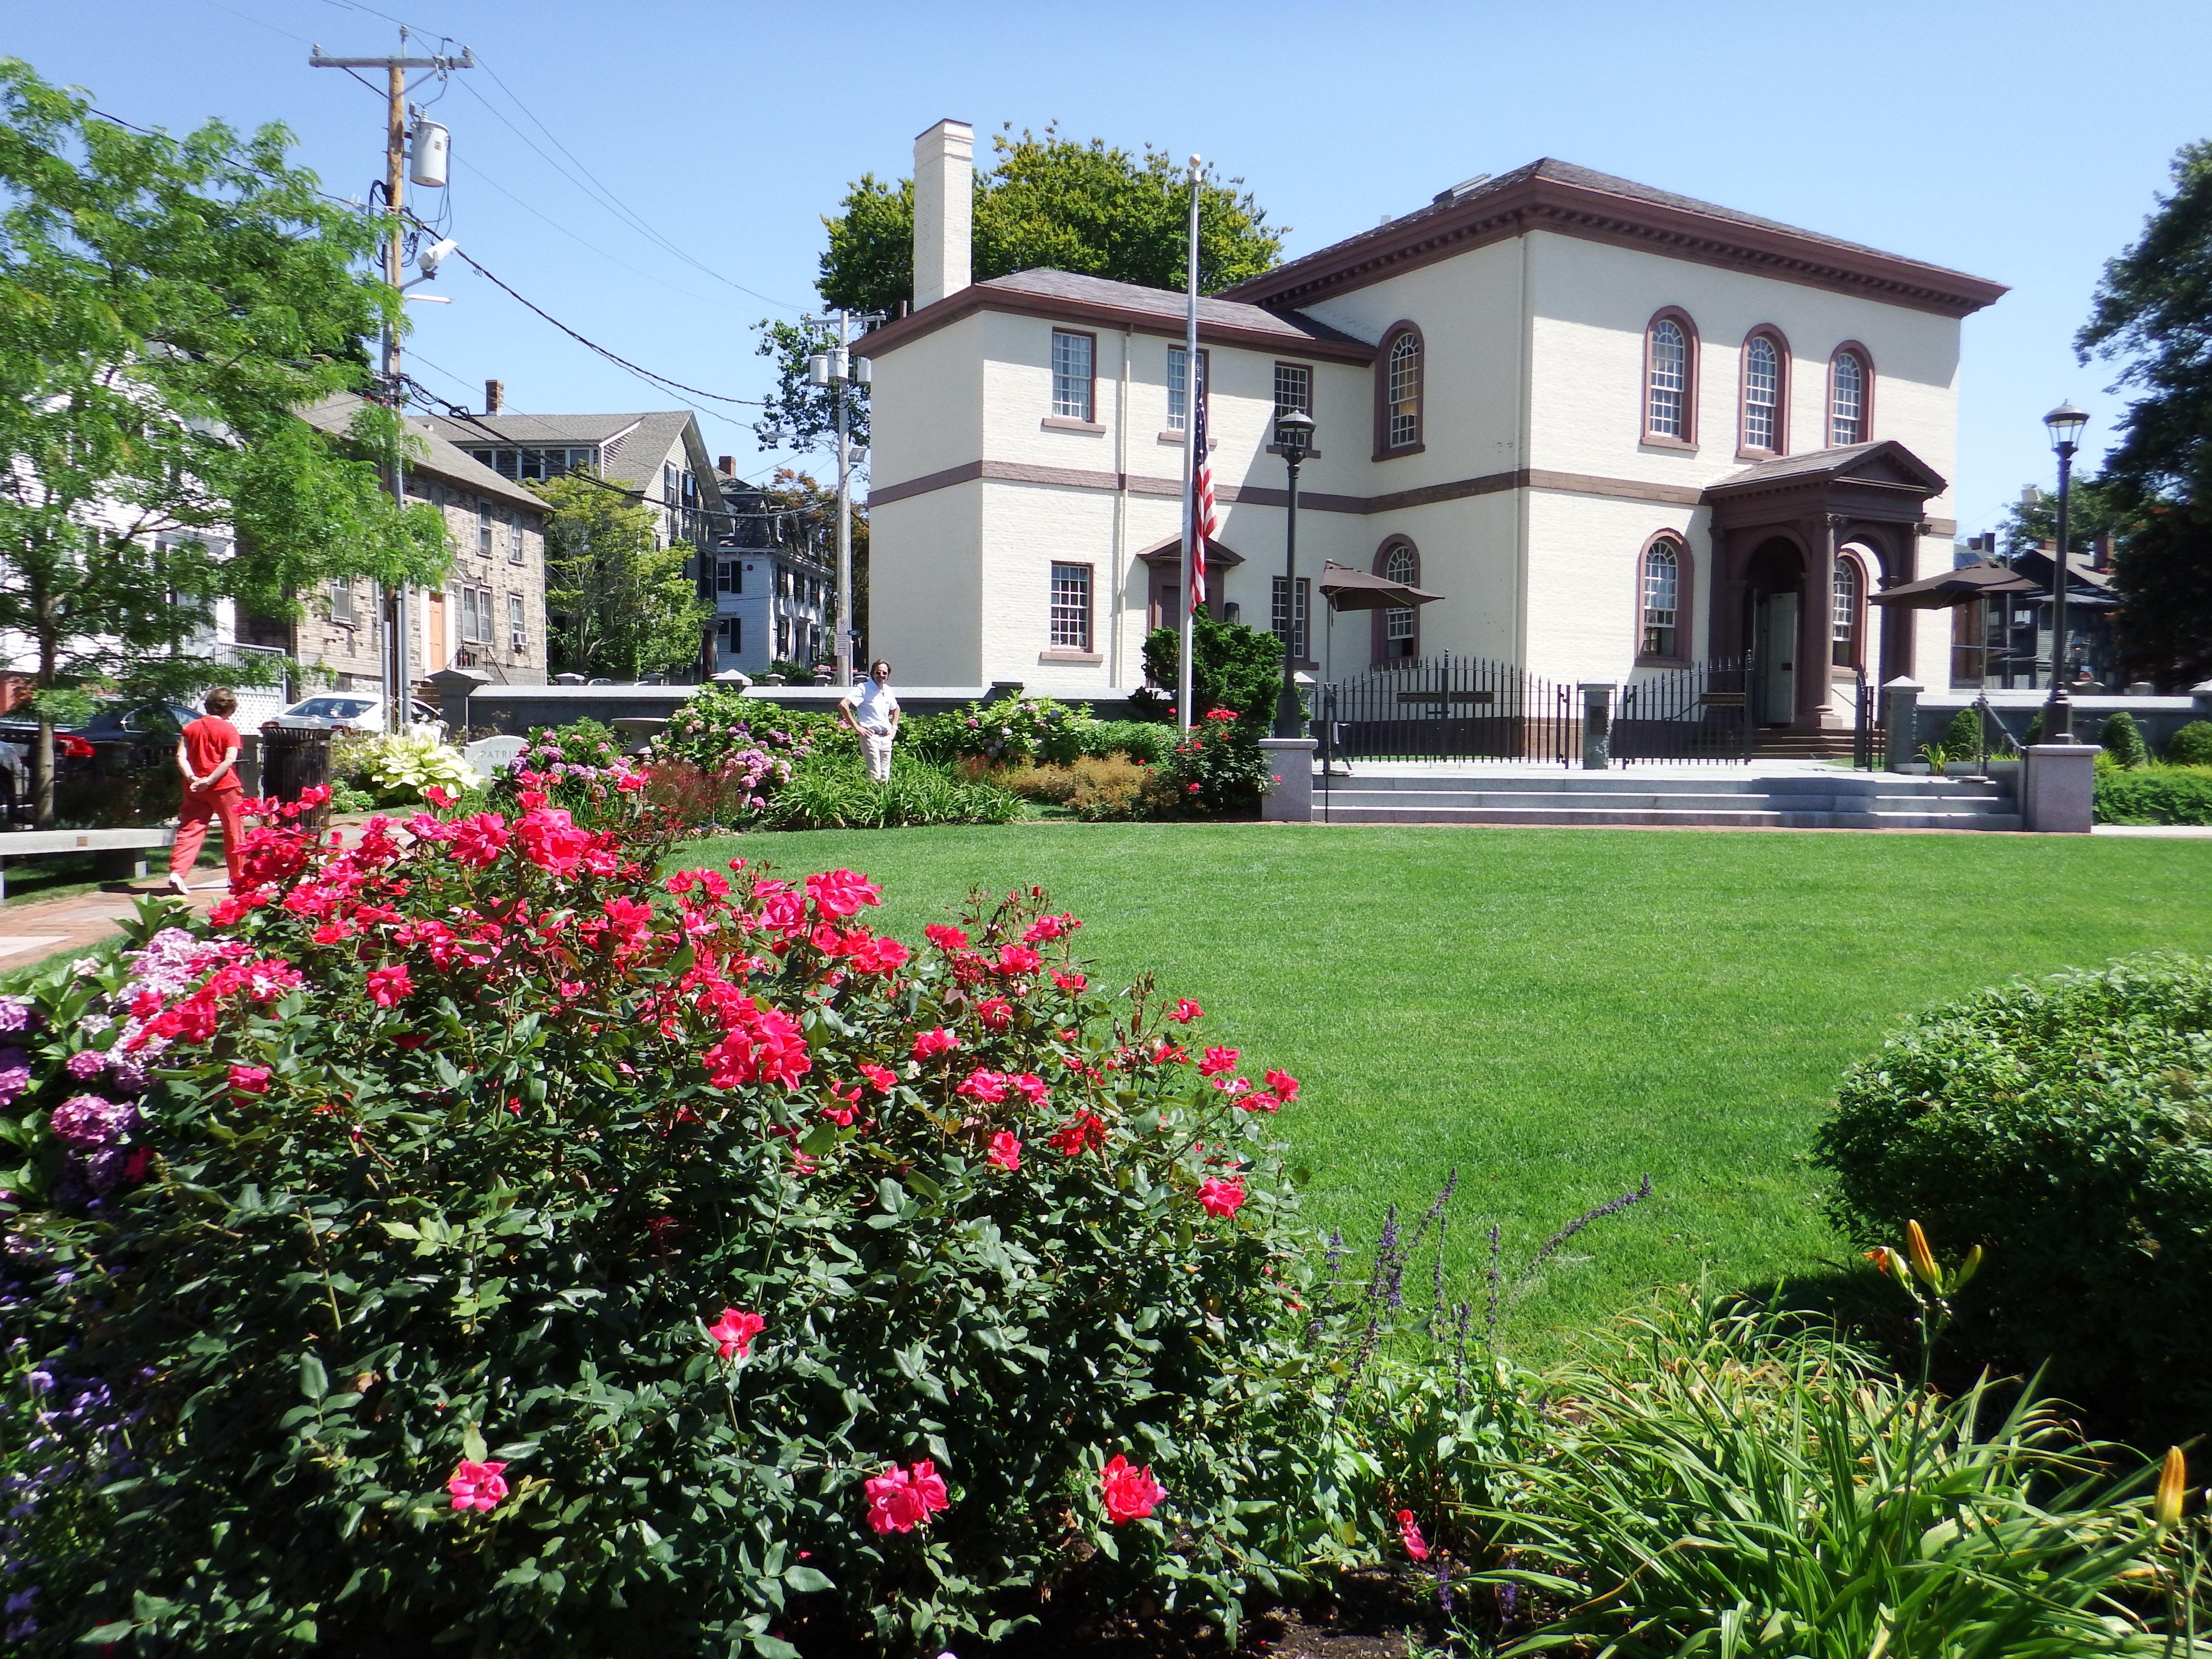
column 2065, row 423
column 1294, row 435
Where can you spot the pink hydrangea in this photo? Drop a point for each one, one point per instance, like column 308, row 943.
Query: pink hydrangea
column 88, row 1122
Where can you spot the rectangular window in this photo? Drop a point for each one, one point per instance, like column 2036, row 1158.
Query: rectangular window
column 342, row 603
column 729, row 575
column 483, row 531
column 1070, row 607
column 1070, row 375
column 504, row 462
column 1179, row 386
column 1280, row 621
column 517, row 635
column 1293, row 388
column 513, row 537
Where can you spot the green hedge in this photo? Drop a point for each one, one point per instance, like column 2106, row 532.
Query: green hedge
column 2064, row 1126
column 2191, row 746
column 2154, row 794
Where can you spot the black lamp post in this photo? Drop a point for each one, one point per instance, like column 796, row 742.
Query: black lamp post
column 2065, row 423
column 1294, row 433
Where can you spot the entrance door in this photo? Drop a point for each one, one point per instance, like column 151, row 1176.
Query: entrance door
column 1774, row 651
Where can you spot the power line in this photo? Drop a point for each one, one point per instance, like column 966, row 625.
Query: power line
column 477, row 169
column 661, row 381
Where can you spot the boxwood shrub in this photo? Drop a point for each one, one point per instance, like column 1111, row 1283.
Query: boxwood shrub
column 473, row 1243
column 2065, row 1126
column 2191, row 746
column 2154, row 794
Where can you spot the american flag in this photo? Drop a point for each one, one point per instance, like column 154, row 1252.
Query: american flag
column 1203, row 521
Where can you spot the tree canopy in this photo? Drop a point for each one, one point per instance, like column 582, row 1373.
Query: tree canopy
column 1046, row 201
column 2153, row 315
column 165, row 304
column 619, row 604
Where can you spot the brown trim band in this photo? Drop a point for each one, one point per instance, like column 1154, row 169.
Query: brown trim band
column 1069, row 478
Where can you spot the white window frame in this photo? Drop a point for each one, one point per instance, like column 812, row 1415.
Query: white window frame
column 1298, row 628
column 1666, row 382
column 1845, row 428
column 1402, row 412
column 1762, row 394
column 1069, row 610
column 1074, row 374
column 1660, row 601
column 1295, row 381
column 341, row 602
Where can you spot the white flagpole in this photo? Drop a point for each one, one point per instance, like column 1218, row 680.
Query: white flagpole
column 1190, row 395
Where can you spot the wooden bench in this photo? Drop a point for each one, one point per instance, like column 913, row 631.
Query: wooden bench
column 120, row 853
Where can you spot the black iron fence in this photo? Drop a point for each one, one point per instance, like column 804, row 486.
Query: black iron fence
column 1469, row 708
column 1450, row 708
column 1701, row 712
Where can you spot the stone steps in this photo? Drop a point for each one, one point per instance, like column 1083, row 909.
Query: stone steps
column 1846, row 801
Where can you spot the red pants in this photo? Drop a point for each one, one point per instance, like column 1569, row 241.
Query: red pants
column 200, row 805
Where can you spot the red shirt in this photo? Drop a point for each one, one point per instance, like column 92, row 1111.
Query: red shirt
column 207, row 740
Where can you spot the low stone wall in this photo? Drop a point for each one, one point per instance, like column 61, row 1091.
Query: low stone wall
column 2159, row 717
column 466, row 703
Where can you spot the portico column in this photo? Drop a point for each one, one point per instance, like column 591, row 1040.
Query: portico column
column 1815, row 623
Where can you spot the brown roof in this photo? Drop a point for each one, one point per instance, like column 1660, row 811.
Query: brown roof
column 1071, row 296
column 1575, row 201
column 334, row 415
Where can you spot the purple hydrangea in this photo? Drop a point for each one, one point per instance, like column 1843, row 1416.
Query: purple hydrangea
column 15, row 1074
column 125, row 1073
column 105, row 1170
column 88, row 1122
column 16, row 1014
column 87, row 1064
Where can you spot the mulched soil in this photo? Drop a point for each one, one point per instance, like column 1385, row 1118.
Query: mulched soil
column 1368, row 1618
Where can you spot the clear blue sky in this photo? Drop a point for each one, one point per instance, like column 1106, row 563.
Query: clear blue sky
column 2020, row 141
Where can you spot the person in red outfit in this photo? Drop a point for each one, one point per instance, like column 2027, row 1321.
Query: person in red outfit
column 207, row 754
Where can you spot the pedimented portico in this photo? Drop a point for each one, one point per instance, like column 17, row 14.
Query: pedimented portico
column 1798, row 546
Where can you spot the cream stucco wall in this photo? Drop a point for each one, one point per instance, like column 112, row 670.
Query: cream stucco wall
column 925, row 610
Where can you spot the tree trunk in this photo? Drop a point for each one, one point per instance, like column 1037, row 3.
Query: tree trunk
column 42, row 757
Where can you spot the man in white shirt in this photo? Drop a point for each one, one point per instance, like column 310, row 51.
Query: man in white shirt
column 874, row 713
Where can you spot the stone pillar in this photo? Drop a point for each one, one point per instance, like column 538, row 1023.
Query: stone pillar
column 1289, row 762
column 453, row 686
column 2059, row 788
column 1901, row 699
column 1597, row 724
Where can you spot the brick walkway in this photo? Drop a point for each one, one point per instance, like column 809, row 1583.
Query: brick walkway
column 31, row 931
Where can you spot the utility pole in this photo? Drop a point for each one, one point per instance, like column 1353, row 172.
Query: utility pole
column 834, row 369
column 398, row 679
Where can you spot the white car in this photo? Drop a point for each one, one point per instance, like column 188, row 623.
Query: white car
column 350, row 711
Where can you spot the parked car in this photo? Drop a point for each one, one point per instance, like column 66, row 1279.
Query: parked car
column 349, row 711
column 119, row 767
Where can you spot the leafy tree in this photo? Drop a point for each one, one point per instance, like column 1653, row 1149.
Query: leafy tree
column 2099, row 507
column 2153, row 314
column 813, row 510
column 1232, row 666
column 1046, row 201
column 165, row 305
column 620, row 606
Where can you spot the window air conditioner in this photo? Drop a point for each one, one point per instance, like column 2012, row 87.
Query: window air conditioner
column 516, row 641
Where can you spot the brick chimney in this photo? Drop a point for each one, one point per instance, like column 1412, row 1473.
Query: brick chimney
column 944, row 211
column 726, row 465
column 494, row 396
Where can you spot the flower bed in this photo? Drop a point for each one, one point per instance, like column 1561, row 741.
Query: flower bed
column 476, row 1239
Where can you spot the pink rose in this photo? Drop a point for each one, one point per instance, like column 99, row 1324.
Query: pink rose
column 478, row 1485
column 1007, row 1149
column 1219, row 1197
column 1130, row 1494
column 733, row 1334
column 899, row 1500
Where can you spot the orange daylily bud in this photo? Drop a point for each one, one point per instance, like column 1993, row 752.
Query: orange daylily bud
column 1879, row 1256
column 2171, row 1480
column 1923, row 1259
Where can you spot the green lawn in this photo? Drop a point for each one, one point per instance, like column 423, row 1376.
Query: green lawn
column 1556, row 1012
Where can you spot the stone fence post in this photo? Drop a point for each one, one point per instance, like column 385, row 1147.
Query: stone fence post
column 1289, row 762
column 1597, row 724
column 1902, row 698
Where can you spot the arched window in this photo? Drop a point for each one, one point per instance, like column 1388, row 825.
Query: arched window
column 1847, row 399
column 1403, row 415
column 1398, row 632
column 1662, row 598
column 1667, row 380
column 1844, row 611
column 1765, row 364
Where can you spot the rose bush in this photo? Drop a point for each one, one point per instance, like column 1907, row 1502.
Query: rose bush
column 473, row 1238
